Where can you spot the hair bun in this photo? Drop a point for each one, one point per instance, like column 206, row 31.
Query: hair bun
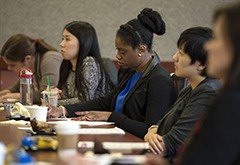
column 152, row 20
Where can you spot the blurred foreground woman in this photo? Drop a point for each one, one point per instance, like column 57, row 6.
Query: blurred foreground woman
column 215, row 139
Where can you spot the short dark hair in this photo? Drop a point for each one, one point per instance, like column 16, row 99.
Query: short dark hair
column 140, row 30
column 192, row 41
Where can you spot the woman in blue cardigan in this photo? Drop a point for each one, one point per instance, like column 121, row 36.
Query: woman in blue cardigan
column 145, row 92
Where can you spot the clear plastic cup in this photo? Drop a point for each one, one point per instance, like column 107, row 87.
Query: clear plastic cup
column 50, row 97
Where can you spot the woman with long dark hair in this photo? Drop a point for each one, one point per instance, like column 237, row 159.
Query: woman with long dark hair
column 82, row 74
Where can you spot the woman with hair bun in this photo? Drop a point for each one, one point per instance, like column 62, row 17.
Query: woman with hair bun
column 145, row 92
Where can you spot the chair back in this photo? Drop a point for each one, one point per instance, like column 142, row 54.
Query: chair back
column 179, row 82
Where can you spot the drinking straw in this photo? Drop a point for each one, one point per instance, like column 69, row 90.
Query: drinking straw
column 48, row 82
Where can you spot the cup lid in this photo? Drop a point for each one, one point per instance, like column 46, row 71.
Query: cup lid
column 25, row 73
column 50, row 92
column 67, row 127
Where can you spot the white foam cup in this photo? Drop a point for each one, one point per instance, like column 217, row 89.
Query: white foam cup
column 38, row 112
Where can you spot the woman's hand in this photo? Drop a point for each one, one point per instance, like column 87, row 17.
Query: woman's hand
column 4, row 92
column 54, row 112
column 10, row 96
column 155, row 141
column 58, row 90
column 93, row 115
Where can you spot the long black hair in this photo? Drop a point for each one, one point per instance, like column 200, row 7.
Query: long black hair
column 87, row 38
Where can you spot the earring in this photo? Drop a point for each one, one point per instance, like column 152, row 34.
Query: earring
column 139, row 55
column 200, row 68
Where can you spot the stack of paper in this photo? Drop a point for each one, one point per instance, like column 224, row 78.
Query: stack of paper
column 125, row 146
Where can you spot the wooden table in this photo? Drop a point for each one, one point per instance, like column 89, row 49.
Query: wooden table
column 10, row 134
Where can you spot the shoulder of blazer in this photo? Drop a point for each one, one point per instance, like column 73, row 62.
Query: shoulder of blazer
column 209, row 84
column 150, row 67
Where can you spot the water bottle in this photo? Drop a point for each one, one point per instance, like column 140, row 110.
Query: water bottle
column 26, row 86
column 18, row 156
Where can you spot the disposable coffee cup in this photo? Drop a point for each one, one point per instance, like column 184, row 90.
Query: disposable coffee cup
column 50, row 97
column 37, row 112
column 67, row 135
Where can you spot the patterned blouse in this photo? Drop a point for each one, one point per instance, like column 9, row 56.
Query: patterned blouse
column 96, row 84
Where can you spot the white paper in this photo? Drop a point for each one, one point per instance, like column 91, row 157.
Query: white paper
column 25, row 128
column 114, row 130
column 89, row 123
column 94, row 123
column 58, row 119
column 106, row 159
column 125, row 145
column 15, row 122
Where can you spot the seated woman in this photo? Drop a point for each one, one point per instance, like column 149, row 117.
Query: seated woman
column 44, row 60
column 190, row 63
column 82, row 75
column 216, row 137
column 145, row 92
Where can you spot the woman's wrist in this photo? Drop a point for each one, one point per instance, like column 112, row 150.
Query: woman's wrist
column 64, row 111
column 153, row 128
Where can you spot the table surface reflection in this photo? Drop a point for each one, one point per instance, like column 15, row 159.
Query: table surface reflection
column 10, row 134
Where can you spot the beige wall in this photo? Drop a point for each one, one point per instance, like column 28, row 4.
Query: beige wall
column 46, row 18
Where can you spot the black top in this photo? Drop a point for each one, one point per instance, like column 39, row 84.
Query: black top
column 190, row 105
column 145, row 104
column 218, row 140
